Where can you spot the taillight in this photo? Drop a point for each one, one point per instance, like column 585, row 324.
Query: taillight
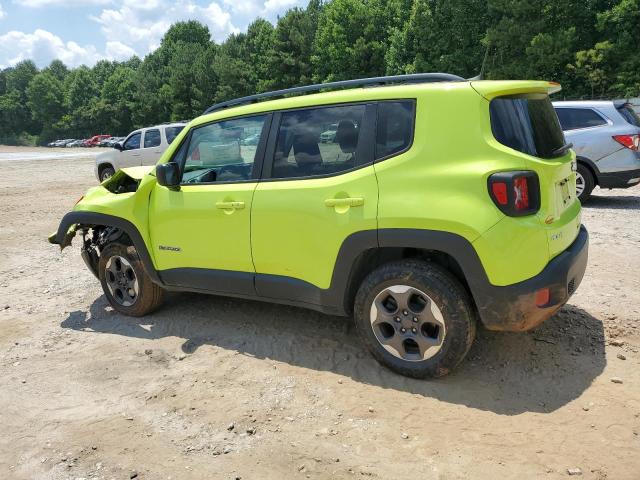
column 515, row 193
column 630, row 141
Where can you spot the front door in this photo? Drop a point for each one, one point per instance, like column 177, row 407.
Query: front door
column 130, row 156
column 320, row 188
column 201, row 233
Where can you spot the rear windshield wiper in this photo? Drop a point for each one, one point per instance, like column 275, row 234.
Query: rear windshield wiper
column 559, row 151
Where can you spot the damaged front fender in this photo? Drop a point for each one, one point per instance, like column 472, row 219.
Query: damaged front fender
column 66, row 238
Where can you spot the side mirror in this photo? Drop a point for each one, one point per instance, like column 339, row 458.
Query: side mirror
column 118, row 146
column 168, row 175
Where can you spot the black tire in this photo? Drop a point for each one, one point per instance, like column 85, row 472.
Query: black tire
column 106, row 172
column 448, row 295
column 589, row 182
column 148, row 296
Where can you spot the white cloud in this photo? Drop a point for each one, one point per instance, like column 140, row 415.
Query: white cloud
column 66, row 3
column 42, row 46
column 119, row 51
column 278, row 5
column 141, row 24
column 244, row 7
column 2, row 12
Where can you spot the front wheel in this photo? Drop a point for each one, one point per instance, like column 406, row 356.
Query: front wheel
column 125, row 283
column 415, row 318
column 106, row 172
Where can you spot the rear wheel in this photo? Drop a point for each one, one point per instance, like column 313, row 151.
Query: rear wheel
column 106, row 172
column 584, row 183
column 415, row 318
column 125, row 283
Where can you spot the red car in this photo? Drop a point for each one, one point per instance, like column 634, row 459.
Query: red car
column 93, row 141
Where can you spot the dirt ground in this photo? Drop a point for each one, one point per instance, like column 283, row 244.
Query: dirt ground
column 217, row 388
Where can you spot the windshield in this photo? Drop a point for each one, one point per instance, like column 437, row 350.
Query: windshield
column 528, row 124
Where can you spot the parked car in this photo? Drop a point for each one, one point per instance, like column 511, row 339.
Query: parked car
column 417, row 220
column 140, row 147
column 329, row 135
column 94, row 141
column 76, row 143
column 606, row 138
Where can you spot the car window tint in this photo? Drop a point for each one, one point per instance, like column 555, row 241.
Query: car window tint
column 172, row 132
column 133, row 142
column 573, row 118
column 629, row 115
column 221, row 152
column 526, row 123
column 151, row 138
column 317, row 141
column 394, row 128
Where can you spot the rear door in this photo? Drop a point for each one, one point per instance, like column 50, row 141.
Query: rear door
column 315, row 193
column 151, row 146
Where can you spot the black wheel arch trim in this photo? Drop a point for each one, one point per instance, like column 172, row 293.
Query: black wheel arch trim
column 95, row 218
column 592, row 166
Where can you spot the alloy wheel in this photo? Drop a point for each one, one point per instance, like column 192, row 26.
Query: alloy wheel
column 407, row 323
column 580, row 185
column 121, row 280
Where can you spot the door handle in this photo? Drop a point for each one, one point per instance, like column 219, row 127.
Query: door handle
column 230, row 205
column 344, row 202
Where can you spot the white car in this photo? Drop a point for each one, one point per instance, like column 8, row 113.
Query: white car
column 141, row 147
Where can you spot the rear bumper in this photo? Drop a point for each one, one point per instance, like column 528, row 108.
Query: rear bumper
column 624, row 179
column 514, row 308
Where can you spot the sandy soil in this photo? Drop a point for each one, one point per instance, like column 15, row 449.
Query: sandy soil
column 218, row 388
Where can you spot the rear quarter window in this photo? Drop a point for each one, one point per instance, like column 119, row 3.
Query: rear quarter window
column 527, row 123
column 394, row 131
column 630, row 115
column 172, row 132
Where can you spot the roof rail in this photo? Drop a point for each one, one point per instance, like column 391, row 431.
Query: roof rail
column 361, row 82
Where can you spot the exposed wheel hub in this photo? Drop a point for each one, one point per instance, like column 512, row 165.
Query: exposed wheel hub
column 121, row 280
column 407, row 323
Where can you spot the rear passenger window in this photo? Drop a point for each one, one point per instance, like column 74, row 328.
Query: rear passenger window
column 574, row 118
column 395, row 128
column 317, row 141
column 151, row 138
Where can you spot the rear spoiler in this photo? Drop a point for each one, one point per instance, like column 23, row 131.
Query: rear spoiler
column 499, row 88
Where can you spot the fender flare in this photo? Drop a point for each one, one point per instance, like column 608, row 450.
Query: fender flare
column 592, row 166
column 93, row 218
column 456, row 246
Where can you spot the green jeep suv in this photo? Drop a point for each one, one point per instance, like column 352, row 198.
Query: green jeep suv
column 439, row 202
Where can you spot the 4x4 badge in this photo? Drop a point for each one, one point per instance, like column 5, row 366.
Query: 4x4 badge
column 171, row 249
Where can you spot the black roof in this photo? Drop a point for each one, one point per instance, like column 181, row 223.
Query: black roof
column 361, row 82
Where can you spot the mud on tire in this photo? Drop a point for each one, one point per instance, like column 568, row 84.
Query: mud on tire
column 424, row 320
column 125, row 283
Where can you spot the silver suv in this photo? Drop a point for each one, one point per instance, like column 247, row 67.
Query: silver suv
column 606, row 139
column 141, row 147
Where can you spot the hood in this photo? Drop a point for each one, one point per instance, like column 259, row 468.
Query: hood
column 138, row 172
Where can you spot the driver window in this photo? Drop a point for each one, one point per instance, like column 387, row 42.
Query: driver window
column 223, row 151
column 133, row 142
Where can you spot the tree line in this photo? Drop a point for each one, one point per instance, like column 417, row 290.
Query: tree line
column 590, row 46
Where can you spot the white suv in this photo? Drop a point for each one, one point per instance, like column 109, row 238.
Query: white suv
column 141, row 147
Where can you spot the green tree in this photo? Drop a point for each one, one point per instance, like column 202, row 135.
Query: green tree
column 290, row 63
column 350, row 41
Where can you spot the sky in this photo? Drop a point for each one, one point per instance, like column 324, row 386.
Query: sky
column 85, row 31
